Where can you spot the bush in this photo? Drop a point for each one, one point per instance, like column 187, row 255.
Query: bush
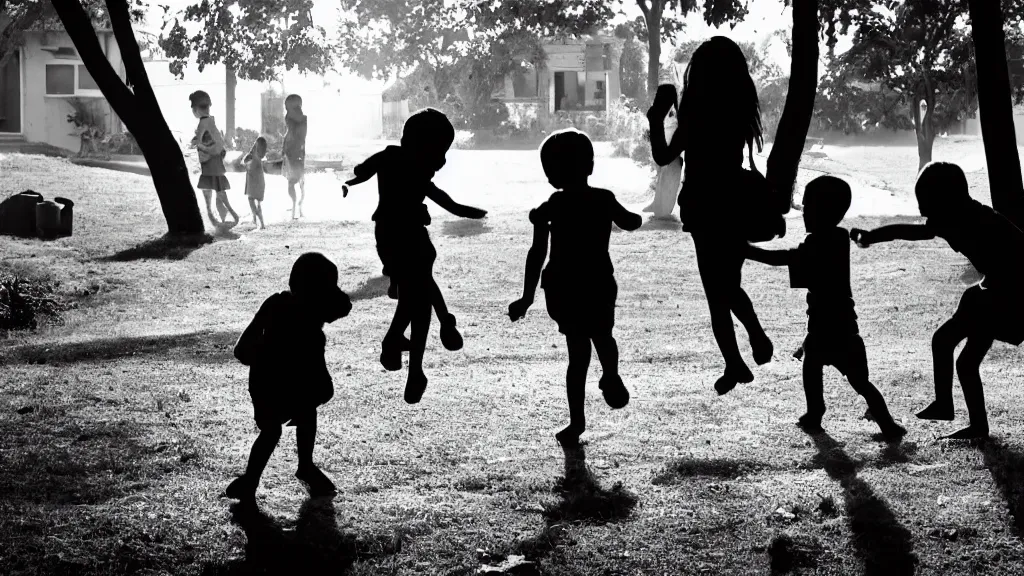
column 24, row 302
column 244, row 139
column 626, row 126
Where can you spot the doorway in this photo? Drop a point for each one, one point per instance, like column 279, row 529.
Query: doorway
column 10, row 95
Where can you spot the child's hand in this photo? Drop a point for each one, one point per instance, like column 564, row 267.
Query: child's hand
column 859, row 237
column 517, row 309
column 344, row 190
column 474, row 213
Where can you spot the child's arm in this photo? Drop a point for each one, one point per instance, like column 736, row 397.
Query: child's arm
column 362, row 172
column 664, row 153
column 911, row 232
column 534, row 262
column 442, row 199
column 218, row 147
column 625, row 219
column 770, row 257
column 249, row 346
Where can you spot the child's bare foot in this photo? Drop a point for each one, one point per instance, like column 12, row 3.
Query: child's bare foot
column 415, row 386
column 762, row 348
column 450, row 337
column 732, row 377
column 892, row 431
column 810, row 423
column 316, row 481
column 937, row 411
column 616, row 395
column 570, row 435
column 242, row 488
column 391, row 355
column 972, row 432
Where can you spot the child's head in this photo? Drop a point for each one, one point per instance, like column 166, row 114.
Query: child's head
column 201, row 103
column 314, row 281
column 428, row 134
column 826, row 200
column 718, row 91
column 568, row 158
column 941, row 188
column 259, row 148
column 293, row 103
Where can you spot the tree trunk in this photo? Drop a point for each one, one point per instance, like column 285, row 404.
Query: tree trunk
column 653, row 48
column 230, row 81
column 924, row 125
column 790, row 136
column 138, row 110
column 995, row 106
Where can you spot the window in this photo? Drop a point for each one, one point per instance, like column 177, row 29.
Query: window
column 524, row 84
column 70, row 79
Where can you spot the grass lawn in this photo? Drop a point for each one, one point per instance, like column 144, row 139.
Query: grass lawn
column 120, row 427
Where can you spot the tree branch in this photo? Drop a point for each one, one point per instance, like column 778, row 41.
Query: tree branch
column 646, row 11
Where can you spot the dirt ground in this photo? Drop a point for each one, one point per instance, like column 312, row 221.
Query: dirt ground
column 120, row 427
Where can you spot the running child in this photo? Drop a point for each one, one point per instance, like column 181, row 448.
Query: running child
column 404, row 176
column 210, row 145
column 579, row 280
column 822, row 265
column 255, row 180
column 284, row 348
column 294, row 149
column 988, row 311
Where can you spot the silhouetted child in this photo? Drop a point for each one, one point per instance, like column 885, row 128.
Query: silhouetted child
column 579, row 280
column 255, row 179
column 403, row 182
column 294, row 149
column 210, row 145
column 989, row 311
column 284, row 348
column 719, row 116
column 822, row 265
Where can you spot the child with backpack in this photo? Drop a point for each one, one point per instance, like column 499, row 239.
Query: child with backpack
column 579, row 281
column 821, row 264
column 284, row 347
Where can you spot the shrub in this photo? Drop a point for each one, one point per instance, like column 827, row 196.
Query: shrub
column 24, row 302
column 245, row 138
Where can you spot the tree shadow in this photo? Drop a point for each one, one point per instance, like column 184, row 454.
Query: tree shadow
column 371, row 288
column 1006, row 464
column 464, row 228
column 166, row 247
column 195, row 347
column 669, row 223
column 880, row 540
column 726, row 468
column 314, row 545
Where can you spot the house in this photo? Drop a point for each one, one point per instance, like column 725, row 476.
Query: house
column 45, row 81
column 578, row 75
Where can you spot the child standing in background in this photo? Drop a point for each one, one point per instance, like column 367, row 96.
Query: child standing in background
column 210, row 144
column 255, row 182
column 294, row 149
column 579, row 281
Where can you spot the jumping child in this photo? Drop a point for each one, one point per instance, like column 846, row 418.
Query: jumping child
column 579, row 281
column 822, row 265
column 210, row 145
column 284, row 348
column 989, row 311
column 255, row 180
column 404, row 176
column 294, row 149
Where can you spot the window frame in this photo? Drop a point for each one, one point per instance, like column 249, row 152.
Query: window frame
column 78, row 92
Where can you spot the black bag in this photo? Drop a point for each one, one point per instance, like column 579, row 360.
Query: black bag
column 760, row 206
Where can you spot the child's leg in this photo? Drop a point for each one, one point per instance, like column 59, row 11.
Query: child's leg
column 244, row 487
column 253, row 209
column 575, row 388
column 968, row 366
column 291, row 194
column 222, row 197
column 856, row 369
column 615, row 392
column 221, row 207
column 302, row 192
column 721, row 278
column 208, row 196
column 944, row 344
column 308, row 472
column 415, row 289
column 450, row 337
column 259, row 212
column 813, row 390
column 760, row 344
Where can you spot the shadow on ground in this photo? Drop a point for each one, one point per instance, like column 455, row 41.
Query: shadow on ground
column 371, row 288
column 1006, row 464
column 885, row 546
column 193, row 347
column 313, row 545
column 167, row 247
column 464, row 228
column 679, row 470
